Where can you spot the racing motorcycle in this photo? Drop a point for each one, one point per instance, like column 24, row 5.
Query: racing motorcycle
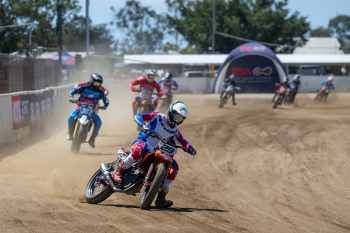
column 227, row 94
column 280, row 97
column 164, row 101
column 321, row 94
column 149, row 172
column 82, row 124
column 145, row 104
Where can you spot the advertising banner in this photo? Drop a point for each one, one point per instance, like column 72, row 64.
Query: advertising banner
column 25, row 107
column 254, row 74
column 16, row 112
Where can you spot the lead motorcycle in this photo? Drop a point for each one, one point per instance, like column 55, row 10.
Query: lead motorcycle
column 82, row 124
column 227, row 94
column 149, row 173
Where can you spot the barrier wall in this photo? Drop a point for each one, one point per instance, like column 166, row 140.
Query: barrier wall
column 23, row 113
column 312, row 83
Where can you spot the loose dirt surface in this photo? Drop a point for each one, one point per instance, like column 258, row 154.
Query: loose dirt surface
column 256, row 170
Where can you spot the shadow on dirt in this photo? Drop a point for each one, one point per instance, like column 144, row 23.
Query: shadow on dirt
column 170, row 209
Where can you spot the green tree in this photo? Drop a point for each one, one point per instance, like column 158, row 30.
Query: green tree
column 42, row 13
column 340, row 25
column 142, row 28
column 75, row 36
column 258, row 20
column 321, row 32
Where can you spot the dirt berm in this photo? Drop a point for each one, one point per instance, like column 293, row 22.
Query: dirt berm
column 256, row 170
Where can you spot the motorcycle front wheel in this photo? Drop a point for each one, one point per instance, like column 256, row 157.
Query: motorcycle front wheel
column 223, row 100
column 150, row 192
column 97, row 189
column 277, row 99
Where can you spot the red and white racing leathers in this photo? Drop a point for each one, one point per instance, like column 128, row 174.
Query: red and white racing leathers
column 146, row 90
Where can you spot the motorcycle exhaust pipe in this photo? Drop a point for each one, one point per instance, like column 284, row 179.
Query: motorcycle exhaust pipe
column 107, row 175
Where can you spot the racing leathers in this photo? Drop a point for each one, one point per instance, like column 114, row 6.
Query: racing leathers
column 102, row 88
column 166, row 87
column 227, row 83
column 145, row 92
column 146, row 144
column 87, row 94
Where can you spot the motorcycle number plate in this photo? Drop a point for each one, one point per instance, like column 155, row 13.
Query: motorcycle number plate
column 229, row 88
column 167, row 149
column 165, row 90
column 86, row 111
column 146, row 94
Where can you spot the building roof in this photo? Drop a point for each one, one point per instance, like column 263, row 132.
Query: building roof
column 320, row 45
column 218, row 59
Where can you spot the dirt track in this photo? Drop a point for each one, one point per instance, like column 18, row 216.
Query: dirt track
column 256, row 170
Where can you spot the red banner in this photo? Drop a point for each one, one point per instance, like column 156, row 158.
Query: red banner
column 16, row 112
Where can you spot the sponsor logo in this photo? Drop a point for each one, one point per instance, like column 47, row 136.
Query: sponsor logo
column 245, row 71
column 257, row 71
column 252, row 48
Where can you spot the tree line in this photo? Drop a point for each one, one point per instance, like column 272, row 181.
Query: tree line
column 141, row 29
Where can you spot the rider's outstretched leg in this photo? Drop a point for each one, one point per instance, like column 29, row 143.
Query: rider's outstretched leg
column 233, row 99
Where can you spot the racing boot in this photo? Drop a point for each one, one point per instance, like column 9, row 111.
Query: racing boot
column 123, row 165
column 92, row 139
column 161, row 201
column 70, row 133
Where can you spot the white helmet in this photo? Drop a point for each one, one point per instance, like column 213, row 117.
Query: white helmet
column 177, row 113
column 330, row 79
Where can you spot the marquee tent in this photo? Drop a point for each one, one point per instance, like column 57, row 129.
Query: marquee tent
column 68, row 61
column 255, row 66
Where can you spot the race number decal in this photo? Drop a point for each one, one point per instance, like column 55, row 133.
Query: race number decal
column 167, row 149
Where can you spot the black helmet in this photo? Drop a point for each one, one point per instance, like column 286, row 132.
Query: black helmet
column 168, row 76
column 96, row 81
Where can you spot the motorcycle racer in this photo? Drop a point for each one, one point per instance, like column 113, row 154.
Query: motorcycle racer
column 147, row 84
column 166, row 127
column 231, row 80
column 89, row 92
column 328, row 84
column 284, row 83
column 166, row 84
column 102, row 88
column 294, row 85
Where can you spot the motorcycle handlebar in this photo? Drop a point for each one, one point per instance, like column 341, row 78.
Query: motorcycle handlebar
column 156, row 135
column 86, row 103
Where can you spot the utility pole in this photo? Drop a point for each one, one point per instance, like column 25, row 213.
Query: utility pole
column 213, row 36
column 59, row 33
column 87, row 36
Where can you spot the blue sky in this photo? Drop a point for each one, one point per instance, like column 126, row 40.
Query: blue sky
column 319, row 12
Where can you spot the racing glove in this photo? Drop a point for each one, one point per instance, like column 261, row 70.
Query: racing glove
column 103, row 107
column 71, row 99
column 191, row 150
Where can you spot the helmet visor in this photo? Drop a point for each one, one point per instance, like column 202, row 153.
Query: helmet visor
column 96, row 84
column 178, row 118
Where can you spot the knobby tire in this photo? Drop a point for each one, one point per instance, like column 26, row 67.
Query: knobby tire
column 103, row 195
column 153, row 190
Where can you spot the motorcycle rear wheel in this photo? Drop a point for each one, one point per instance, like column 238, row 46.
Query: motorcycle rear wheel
column 150, row 193
column 91, row 187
